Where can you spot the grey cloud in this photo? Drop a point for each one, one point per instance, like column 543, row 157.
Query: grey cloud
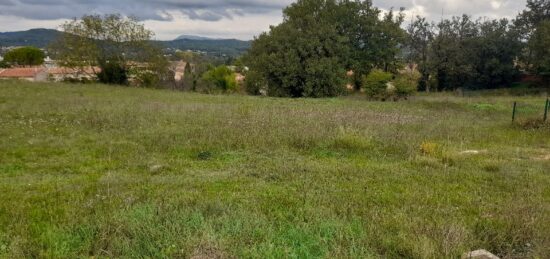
column 208, row 10
column 434, row 9
column 6, row 3
column 215, row 10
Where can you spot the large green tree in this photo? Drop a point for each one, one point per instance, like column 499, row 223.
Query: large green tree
column 495, row 50
column 539, row 43
column 451, row 53
column 532, row 23
column 25, row 56
column 307, row 55
column 420, row 35
column 121, row 46
column 474, row 54
column 535, row 13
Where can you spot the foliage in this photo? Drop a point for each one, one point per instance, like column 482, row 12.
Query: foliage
column 420, row 34
column 222, row 78
column 100, row 41
column 537, row 11
column 375, row 84
column 254, row 83
column 539, row 44
column 147, row 79
column 406, row 82
column 113, row 73
column 4, row 64
column 25, row 56
column 474, row 54
column 532, row 25
column 319, row 40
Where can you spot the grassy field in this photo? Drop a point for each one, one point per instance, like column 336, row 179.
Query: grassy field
column 99, row 171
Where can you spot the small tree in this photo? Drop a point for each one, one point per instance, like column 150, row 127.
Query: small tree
column 115, row 43
column 222, row 78
column 375, row 84
column 25, row 56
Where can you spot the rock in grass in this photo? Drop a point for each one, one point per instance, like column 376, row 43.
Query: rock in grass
column 479, row 254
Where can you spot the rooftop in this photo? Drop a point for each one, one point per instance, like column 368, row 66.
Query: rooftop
column 20, row 72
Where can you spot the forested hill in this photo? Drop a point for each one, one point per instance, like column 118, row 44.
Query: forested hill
column 41, row 38
column 229, row 47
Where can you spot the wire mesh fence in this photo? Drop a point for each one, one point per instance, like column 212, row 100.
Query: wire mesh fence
column 531, row 111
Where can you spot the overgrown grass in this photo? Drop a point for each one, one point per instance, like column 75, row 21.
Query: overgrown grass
column 91, row 170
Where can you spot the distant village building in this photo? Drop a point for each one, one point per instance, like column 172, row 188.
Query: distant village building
column 59, row 74
column 32, row 74
column 179, row 70
column 49, row 63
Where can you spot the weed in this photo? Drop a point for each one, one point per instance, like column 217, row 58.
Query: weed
column 204, row 155
column 429, row 148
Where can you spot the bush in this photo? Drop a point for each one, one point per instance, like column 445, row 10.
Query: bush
column 221, row 78
column 4, row 64
column 406, row 83
column 429, row 148
column 113, row 73
column 147, row 79
column 375, row 84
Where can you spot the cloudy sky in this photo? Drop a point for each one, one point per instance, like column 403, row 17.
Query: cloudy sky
column 241, row 19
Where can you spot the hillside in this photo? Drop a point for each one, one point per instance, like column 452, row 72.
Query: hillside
column 114, row 172
column 41, row 38
column 193, row 37
column 229, row 47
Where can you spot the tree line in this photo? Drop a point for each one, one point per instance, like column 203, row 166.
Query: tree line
column 308, row 54
column 325, row 48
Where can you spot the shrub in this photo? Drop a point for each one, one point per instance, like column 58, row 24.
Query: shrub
column 147, row 79
column 406, row 83
column 375, row 84
column 429, row 148
column 113, row 73
column 222, row 78
column 4, row 64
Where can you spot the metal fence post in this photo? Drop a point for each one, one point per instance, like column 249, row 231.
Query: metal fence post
column 546, row 109
column 514, row 112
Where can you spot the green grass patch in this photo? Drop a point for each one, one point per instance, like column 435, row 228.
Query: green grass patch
column 108, row 172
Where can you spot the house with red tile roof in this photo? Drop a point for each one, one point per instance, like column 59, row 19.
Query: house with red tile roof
column 33, row 74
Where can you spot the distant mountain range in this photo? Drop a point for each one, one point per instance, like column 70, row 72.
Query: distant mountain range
column 194, row 37
column 41, row 38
